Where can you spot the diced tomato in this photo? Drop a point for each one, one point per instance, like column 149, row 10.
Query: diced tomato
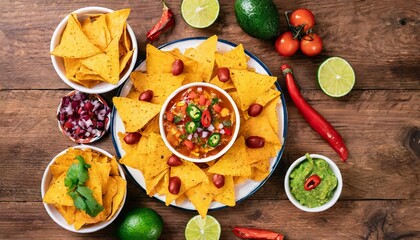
column 228, row 131
column 192, row 95
column 202, row 101
column 217, row 108
column 169, row 116
column 208, row 102
column 184, row 109
column 189, row 144
column 206, row 118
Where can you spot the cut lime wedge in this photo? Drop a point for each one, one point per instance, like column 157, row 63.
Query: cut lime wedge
column 200, row 13
column 336, row 77
column 199, row 228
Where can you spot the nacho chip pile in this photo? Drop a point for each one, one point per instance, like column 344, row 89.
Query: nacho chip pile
column 97, row 49
column 240, row 163
column 104, row 180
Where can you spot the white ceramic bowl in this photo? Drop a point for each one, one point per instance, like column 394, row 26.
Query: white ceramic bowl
column 58, row 62
column 56, row 215
column 235, row 131
column 337, row 191
column 89, row 139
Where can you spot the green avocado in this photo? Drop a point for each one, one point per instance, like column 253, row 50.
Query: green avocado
column 258, row 18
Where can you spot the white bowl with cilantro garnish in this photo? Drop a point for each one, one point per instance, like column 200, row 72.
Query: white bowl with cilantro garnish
column 83, row 189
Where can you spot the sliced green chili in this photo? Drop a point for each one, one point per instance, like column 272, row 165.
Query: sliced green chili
column 194, row 112
column 190, row 127
column 214, row 139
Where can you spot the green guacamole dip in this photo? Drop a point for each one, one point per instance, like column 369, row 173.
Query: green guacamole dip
column 323, row 192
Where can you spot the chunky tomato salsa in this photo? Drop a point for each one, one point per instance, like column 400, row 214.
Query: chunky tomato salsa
column 199, row 122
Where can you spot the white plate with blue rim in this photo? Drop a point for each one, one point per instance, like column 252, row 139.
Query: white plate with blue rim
column 243, row 190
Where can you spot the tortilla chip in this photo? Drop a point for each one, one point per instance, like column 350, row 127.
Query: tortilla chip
column 190, row 66
column 223, row 85
column 162, row 85
column 158, row 61
column 250, row 86
column 181, row 199
column 152, row 182
column 190, row 176
column 263, row 130
column 157, row 156
column 200, row 198
column 119, row 196
column 116, row 22
column 135, row 114
column 97, row 31
column 106, row 64
column 203, row 54
column 103, row 170
column 57, row 193
column 152, row 127
column 235, row 58
column 72, row 66
column 234, row 162
column 67, row 212
column 227, row 193
column 125, row 59
column 94, row 184
column 126, row 39
column 258, row 175
column 74, row 43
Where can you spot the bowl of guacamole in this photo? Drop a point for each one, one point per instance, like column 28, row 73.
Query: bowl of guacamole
column 313, row 183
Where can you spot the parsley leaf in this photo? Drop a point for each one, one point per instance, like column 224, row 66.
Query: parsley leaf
column 214, row 101
column 82, row 196
column 177, row 119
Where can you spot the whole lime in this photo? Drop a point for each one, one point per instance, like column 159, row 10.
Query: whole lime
column 141, row 223
column 258, row 18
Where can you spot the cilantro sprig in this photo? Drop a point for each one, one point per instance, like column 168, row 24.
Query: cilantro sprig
column 82, row 196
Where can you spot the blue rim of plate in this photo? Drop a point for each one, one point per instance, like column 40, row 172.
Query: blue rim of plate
column 285, row 119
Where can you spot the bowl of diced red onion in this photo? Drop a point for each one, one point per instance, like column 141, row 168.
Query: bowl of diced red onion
column 83, row 117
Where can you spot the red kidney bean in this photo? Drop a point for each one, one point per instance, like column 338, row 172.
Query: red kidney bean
column 255, row 109
column 223, row 74
column 177, row 67
column 174, row 161
column 146, row 96
column 132, row 138
column 174, row 185
column 218, row 180
column 255, row 142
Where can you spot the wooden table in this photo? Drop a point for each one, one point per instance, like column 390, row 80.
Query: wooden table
column 379, row 120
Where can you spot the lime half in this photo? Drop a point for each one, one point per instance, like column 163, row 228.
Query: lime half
column 200, row 13
column 199, row 228
column 336, row 77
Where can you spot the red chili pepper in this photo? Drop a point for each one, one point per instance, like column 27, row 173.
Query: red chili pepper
column 166, row 22
column 315, row 120
column 255, row 233
column 206, row 118
column 312, row 182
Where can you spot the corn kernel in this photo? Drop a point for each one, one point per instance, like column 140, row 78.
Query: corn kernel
column 224, row 112
column 180, row 104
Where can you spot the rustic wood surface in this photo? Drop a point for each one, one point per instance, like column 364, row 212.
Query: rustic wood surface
column 379, row 120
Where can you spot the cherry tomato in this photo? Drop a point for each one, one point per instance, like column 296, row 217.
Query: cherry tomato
column 286, row 45
column 302, row 16
column 311, row 44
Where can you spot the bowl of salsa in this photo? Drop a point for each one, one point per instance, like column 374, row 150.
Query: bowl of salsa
column 199, row 122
